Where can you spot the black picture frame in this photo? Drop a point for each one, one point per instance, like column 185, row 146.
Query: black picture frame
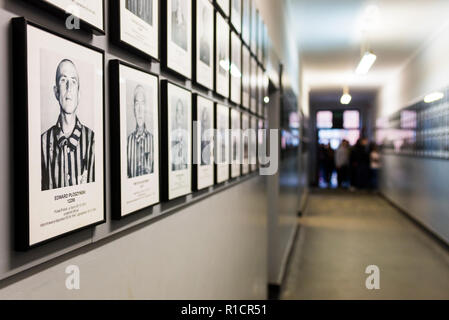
column 196, row 184
column 198, row 68
column 21, row 134
column 222, row 38
column 165, row 53
column 115, row 23
column 60, row 13
column 165, row 143
column 115, row 133
column 220, row 167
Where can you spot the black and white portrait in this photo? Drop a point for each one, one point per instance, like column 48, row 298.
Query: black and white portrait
column 138, row 26
column 206, row 137
column 246, row 78
column 177, row 117
column 223, row 59
column 236, row 138
column 222, row 143
column 236, row 67
column 140, row 142
column 179, row 23
column 134, row 124
column 62, row 100
column 141, row 8
column 206, row 32
column 179, row 144
column 67, row 146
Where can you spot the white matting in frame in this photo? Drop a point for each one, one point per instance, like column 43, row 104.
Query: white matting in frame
column 236, row 14
column 253, row 144
column 65, row 131
column 179, row 37
column 246, row 78
column 245, row 143
column 179, row 122
column 139, row 139
column 224, row 5
column 139, row 25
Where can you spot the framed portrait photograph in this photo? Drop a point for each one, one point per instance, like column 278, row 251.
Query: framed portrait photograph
column 246, row 136
column 222, row 149
column 236, row 69
column 260, row 91
column 254, row 27
column 246, row 78
column 89, row 12
column 204, row 47
column 177, row 34
column 246, row 21
column 222, row 59
column 254, row 85
column 58, row 112
column 136, row 26
column 236, row 15
column 236, row 143
column 223, row 5
column 260, row 40
column 253, row 144
column 203, row 147
column 135, row 128
column 176, row 160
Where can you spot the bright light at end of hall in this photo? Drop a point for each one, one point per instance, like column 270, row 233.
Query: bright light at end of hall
column 434, row 96
column 346, row 97
column 366, row 63
column 266, row 100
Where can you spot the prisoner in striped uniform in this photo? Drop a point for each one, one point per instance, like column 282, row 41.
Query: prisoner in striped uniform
column 140, row 142
column 67, row 148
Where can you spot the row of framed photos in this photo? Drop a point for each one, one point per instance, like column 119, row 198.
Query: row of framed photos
column 198, row 42
column 59, row 87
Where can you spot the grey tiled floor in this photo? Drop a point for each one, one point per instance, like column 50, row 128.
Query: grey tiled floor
column 343, row 233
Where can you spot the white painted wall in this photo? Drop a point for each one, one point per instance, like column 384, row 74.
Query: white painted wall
column 419, row 185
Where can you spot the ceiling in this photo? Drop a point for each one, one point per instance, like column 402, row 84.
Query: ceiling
column 330, row 34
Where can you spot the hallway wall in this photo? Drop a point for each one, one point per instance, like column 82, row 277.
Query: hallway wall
column 419, row 185
column 215, row 248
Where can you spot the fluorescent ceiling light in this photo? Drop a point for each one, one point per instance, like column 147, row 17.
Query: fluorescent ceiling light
column 346, row 98
column 266, row 100
column 434, row 96
column 366, row 63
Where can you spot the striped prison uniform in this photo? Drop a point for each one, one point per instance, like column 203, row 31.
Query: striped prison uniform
column 68, row 161
column 140, row 153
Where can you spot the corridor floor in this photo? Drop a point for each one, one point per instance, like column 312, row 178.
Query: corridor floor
column 343, row 233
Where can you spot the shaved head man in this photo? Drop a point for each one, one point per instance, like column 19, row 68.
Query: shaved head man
column 140, row 142
column 67, row 148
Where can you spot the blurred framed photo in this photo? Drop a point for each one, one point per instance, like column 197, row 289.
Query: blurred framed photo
column 203, row 149
column 138, row 25
column 177, row 49
column 254, row 85
column 236, row 15
column 204, row 48
column 246, row 21
column 222, row 149
column 222, row 65
column 90, row 12
column 176, row 160
column 223, row 5
column 236, row 143
column 246, row 78
column 246, row 133
column 260, row 91
column 253, row 144
column 236, row 69
column 260, row 39
column 135, row 127
column 58, row 115
column 254, row 27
